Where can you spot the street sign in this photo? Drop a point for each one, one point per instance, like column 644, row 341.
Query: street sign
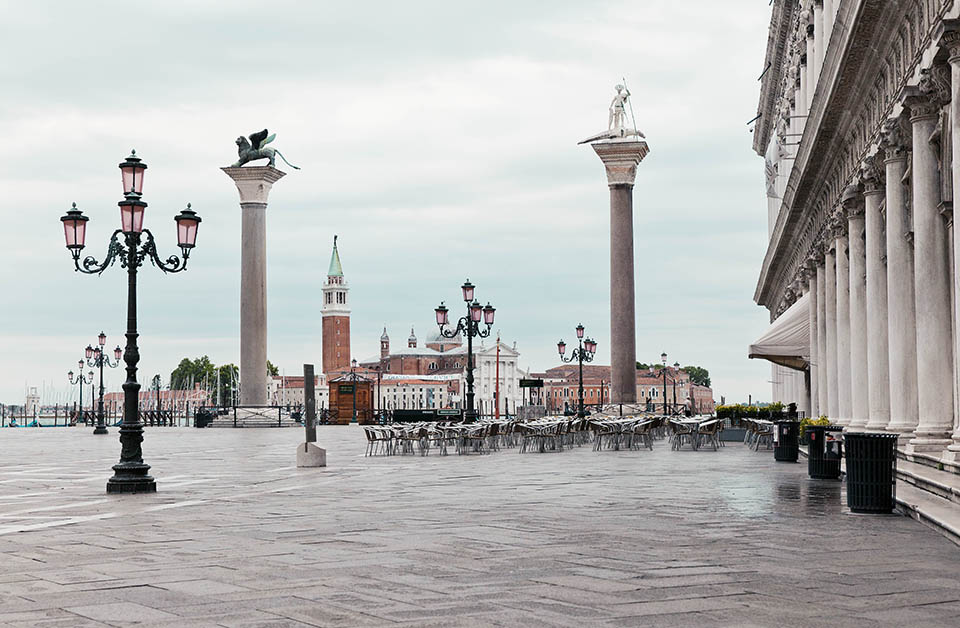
column 345, row 389
column 531, row 383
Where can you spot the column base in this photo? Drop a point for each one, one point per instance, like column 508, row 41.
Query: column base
column 926, row 445
column 131, row 478
column 952, row 453
column 100, row 429
column 309, row 455
column 856, row 425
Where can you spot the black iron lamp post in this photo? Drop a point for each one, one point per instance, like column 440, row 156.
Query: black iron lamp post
column 80, row 381
column 353, row 377
column 584, row 352
column 663, row 358
column 97, row 358
column 468, row 325
column 676, row 367
column 130, row 474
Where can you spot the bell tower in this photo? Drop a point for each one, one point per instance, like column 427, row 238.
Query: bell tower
column 336, row 317
column 384, row 344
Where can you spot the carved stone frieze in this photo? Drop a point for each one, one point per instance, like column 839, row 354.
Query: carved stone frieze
column 852, row 201
column 894, row 139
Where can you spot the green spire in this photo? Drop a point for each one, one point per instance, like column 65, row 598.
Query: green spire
column 336, row 270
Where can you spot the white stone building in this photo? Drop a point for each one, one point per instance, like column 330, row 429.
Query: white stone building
column 857, row 121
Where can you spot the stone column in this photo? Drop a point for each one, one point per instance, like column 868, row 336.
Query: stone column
column 811, row 274
column 823, row 361
column 620, row 158
column 830, row 312
column 878, row 364
column 843, row 376
column 853, row 203
column 901, row 306
column 829, row 13
column 951, row 41
column 818, row 38
column 254, row 185
column 811, row 64
column 931, row 285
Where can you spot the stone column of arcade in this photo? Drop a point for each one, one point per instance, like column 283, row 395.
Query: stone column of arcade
column 810, row 273
column 830, row 312
column 853, row 203
column 844, row 388
column 932, row 286
column 878, row 364
column 901, row 307
column 253, row 184
column 823, row 361
column 950, row 40
column 620, row 157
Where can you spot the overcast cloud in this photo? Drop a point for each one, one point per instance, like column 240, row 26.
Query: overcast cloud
column 437, row 139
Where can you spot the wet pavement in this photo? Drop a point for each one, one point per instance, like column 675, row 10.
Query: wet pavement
column 237, row 536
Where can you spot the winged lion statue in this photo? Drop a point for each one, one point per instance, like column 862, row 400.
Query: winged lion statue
column 256, row 148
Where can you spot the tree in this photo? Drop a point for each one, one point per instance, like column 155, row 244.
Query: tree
column 272, row 371
column 698, row 374
column 190, row 372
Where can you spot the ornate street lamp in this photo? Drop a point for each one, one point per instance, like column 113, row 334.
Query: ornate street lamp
column 97, row 358
column 676, row 368
column 80, row 381
column 468, row 325
column 130, row 474
column 585, row 351
column 663, row 358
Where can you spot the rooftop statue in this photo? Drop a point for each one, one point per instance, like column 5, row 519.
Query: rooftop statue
column 256, row 148
column 617, row 120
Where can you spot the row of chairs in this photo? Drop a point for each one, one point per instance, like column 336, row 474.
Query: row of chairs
column 696, row 434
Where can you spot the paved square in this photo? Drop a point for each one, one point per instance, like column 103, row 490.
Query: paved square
column 237, row 536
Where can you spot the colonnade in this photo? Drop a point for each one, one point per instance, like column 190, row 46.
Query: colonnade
column 884, row 274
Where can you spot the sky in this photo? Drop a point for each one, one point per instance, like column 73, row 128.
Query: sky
column 437, row 139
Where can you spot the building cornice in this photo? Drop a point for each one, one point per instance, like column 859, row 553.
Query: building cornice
column 876, row 48
column 778, row 37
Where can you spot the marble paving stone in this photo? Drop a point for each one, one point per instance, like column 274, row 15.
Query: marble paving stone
column 237, row 536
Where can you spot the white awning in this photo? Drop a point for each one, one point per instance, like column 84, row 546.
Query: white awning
column 787, row 341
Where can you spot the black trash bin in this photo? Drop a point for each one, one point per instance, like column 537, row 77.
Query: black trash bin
column 871, row 471
column 202, row 418
column 824, row 452
column 786, row 441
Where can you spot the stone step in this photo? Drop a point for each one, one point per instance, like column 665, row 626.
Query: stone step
column 935, row 512
column 943, row 484
column 929, row 460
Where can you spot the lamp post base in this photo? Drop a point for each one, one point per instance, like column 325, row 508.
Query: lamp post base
column 100, row 429
column 131, row 478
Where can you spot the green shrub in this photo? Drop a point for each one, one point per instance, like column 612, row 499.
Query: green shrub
column 809, row 421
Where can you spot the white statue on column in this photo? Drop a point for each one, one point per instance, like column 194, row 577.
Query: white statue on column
column 617, row 119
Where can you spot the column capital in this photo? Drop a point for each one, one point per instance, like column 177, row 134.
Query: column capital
column 838, row 223
column 920, row 101
column 872, row 176
column 620, row 158
column 852, row 201
column 894, row 140
column 254, row 182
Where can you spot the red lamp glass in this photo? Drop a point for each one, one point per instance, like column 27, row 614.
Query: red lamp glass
column 488, row 312
column 90, row 375
column 88, row 352
column 442, row 315
column 117, row 352
column 102, row 339
column 579, row 331
column 74, row 228
column 132, row 172
column 131, row 214
column 562, row 347
column 591, row 345
column 467, row 291
column 663, row 356
column 70, row 374
column 80, row 364
column 476, row 312
column 187, row 222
